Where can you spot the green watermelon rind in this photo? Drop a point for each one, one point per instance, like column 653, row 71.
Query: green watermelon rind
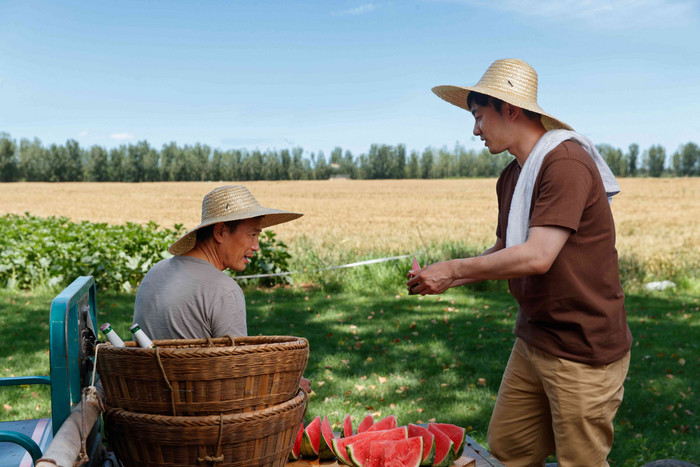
column 325, row 451
column 307, row 448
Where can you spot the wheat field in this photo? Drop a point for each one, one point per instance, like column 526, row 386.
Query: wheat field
column 657, row 220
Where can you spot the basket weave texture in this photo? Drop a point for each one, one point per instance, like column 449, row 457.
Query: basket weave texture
column 200, row 377
column 261, row 438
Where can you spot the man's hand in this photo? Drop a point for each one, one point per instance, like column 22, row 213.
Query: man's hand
column 433, row 279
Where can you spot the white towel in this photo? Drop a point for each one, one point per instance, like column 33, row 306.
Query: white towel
column 519, row 215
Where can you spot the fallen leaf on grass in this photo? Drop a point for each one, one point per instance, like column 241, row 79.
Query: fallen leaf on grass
column 7, row 407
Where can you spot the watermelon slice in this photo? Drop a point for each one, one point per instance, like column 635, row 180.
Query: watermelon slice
column 386, row 423
column 325, row 448
column 403, row 453
column 296, row 449
column 416, row 267
column 358, row 452
column 311, row 440
column 428, row 442
column 457, row 434
column 340, row 444
column 366, row 422
column 347, row 426
column 444, row 448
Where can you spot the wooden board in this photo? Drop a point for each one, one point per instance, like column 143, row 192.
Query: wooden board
column 461, row 462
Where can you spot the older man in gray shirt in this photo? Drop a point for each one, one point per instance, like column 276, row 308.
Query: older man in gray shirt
column 188, row 296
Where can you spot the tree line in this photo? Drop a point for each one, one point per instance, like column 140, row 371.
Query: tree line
column 28, row 160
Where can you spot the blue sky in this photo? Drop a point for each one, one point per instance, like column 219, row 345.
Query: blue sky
column 279, row 74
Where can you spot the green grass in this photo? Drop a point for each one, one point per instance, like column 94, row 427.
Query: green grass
column 422, row 359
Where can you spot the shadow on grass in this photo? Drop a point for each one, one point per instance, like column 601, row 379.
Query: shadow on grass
column 420, row 358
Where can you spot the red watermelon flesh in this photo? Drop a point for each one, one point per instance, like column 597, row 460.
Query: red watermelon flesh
column 387, row 423
column 457, row 434
column 340, row 444
column 311, row 440
column 347, row 426
column 358, row 452
column 325, row 449
column 403, row 453
column 428, row 442
column 366, row 422
column 296, row 449
column 444, row 448
column 376, row 455
column 416, row 266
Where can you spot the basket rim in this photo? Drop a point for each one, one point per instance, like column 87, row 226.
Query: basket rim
column 209, row 420
column 202, row 347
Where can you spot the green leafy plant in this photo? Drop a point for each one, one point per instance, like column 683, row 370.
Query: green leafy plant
column 51, row 252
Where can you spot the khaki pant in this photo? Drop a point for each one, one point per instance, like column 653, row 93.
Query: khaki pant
column 547, row 404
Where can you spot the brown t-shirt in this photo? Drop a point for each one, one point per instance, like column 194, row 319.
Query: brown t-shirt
column 576, row 310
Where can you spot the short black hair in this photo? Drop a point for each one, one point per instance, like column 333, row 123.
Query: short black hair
column 483, row 100
column 207, row 232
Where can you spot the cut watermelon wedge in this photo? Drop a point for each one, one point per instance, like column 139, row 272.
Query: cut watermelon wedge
column 347, row 426
column 296, row 449
column 340, row 444
column 416, row 266
column 358, row 452
column 386, row 423
column 325, row 448
column 366, row 422
column 428, row 442
column 457, row 434
column 444, row 448
column 311, row 440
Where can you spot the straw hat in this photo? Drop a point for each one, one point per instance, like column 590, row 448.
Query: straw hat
column 230, row 203
column 510, row 80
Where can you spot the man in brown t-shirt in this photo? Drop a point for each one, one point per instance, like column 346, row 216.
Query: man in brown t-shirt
column 564, row 380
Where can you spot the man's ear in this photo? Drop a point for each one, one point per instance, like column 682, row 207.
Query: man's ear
column 218, row 232
column 511, row 111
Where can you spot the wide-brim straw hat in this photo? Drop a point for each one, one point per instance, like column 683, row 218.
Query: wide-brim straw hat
column 230, row 203
column 510, row 80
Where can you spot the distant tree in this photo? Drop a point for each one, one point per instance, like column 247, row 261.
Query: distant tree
column 413, row 167
column 426, row 163
column 96, row 165
column 690, row 159
column 33, row 161
column 655, row 160
column 632, row 159
column 8, row 159
column 117, row 159
column 614, row 158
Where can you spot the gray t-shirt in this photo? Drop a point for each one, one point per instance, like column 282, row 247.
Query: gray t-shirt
column 188, row 298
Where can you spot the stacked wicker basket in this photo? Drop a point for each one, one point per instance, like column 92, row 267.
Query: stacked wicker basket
column 209, row 402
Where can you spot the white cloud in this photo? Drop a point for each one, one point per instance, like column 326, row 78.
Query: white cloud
column 83, row 133
column 360, row 10
column 601, row 14
column 121, row 136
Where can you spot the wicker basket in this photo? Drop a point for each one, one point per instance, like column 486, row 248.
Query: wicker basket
column 262, row 438
column 203, row 376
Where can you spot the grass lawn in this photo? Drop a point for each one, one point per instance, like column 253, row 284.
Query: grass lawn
column 420, row 358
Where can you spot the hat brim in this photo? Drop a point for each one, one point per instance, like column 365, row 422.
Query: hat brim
column 270, row 217
column 457, row 95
